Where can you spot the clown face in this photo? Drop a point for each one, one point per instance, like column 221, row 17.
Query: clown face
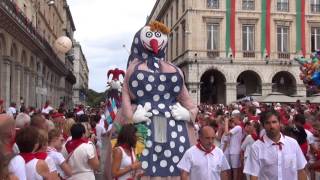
column 153, row 41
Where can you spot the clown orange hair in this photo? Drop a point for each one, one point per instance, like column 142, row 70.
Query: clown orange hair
column 156, row 25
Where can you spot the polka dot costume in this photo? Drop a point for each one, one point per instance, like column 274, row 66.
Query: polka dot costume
column 160, row 90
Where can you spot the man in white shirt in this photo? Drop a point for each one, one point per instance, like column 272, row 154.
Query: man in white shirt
column 275, row 156
column 236, row 136
column 204, row 160
column 47, row 108
column 12, row 111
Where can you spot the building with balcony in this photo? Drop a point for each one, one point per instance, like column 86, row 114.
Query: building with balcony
column 228, row 49
column 81, row 71
column 31, row 69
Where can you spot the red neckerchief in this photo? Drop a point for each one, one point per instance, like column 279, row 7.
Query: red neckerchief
column 94, row 131
column 199, row 146
column 73, row 144
column 280, row 144
column 27, row 156
column 41, row 155
column 254, row 136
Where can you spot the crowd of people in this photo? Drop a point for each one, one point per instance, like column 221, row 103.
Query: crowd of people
column 261, row 140
column 50, row 143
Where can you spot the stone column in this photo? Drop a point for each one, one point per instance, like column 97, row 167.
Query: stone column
column 5, row 78
column 231, row 92
column 18, row 84
column 266, row 89
column 26, row 86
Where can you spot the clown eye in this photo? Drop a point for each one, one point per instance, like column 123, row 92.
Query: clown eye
column 158, row 34
column 149, row 34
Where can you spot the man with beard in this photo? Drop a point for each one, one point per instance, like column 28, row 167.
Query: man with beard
column 275, row 156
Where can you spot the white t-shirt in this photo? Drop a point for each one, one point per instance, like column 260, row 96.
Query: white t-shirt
column 100, row 130
column 58, row 159
column 225, row 140
column 12, row 111
column 235, row 139
column 46, row 110
column 246, row 145
column 268, row 162
column 79, row 162
column 17, row 167
column 51, row 164
column 201, row 166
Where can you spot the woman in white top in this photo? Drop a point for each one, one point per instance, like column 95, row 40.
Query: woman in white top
column 82, row 154
column 56, row 140
column 27, row 141
column 124, row 164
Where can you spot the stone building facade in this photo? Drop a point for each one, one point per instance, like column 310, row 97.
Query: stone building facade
column 228, row 49
column 31, row 69
column 81, row 71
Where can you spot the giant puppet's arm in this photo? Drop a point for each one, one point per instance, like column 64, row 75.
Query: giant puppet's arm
column 126, row 105
column 186, row 101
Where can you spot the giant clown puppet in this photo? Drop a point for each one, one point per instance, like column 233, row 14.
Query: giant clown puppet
column 154, row 94
column 114, row 85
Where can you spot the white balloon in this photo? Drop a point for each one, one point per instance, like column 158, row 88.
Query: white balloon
column 63, row 44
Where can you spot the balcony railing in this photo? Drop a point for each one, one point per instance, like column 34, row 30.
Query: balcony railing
column 213, row 54
column 283, row 55
column 16, row 13
column 249, row 54
column 315, row 8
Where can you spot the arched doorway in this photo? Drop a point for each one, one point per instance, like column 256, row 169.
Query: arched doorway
column 248, row 82
column 284, row 82
column 213, row 88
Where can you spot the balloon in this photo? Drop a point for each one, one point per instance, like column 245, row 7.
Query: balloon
column 316, row 78
column 63, row 44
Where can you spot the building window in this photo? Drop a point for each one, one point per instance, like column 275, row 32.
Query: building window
column 283, row 5
column 213, row 37
column 171, row 46
column 315, row 6
column 248, row 4
column 213, row 4
column 283, row 39
column 248, row 38
column 315, row 38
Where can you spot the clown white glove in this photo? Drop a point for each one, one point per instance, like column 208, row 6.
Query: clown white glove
column 141, row 114
column 108, row 86
column 179, row 113
column 115, row 84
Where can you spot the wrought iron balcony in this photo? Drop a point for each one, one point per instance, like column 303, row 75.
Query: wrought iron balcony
column 13, row 20
column 249, row 54
column 213, row 53
column 283, row 55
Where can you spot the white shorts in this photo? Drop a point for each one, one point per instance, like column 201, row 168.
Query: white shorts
column 234, row 160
